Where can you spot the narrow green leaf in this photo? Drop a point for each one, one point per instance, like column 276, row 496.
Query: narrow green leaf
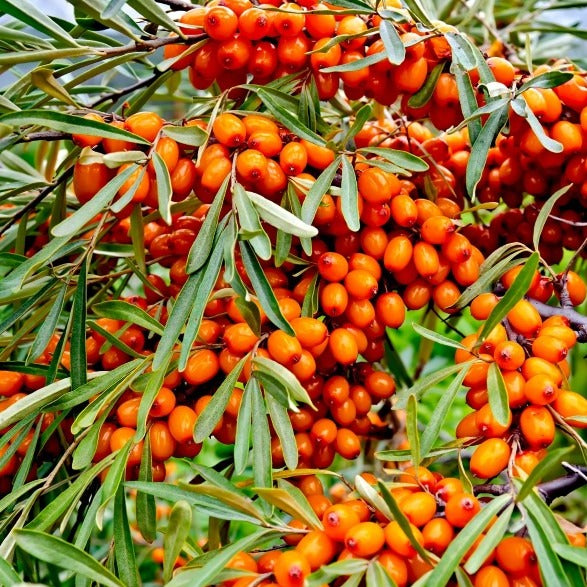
column 512, row 296
column 205, row 575
column 79, row 219
column 113, row 480
column 424, row 94
column 146, row 512
column 481, row 146
column 549, row 463
column 462, row 51
column 188, row 135
column 377, row 576
column 263, row 289
column 200, row 251
column 402, row 159
column 121, row 310
column 48, row 326
column 154, row 13
column 283, row 428
column 43, row 78
column 213, row 411
column 164, row 189
column 79, row 362
column 286, row 118
column 210, row 275
column 60, row 553
column 498, row 395
column 551, row 567
column 574, row 554
column 428, row 382
column 282, row 247
column 28, row 13
column 317, row 191
column 467, row 99
column 112, row 8
column 463, row 542
column 291, row 502
column 124, row 551
column 412, row 428
column 261, row 438
column 441, row 411
column 394, row 46
column 280, row 218
column 545, row 213
column 521, row 108
column 550, row 79
column 490, row 541
column 8, row 576
column 350, row 196
column 436, row 337
column 249, row 221
column 285, row 377
column 178, row 528
column 69, row 124
column 327, row 573
column 310, row 303
column 177, row 319
column 243, row 431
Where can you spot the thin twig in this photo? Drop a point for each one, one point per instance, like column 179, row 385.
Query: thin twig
column 37, row 200
column 149, row 45
column 114, row 96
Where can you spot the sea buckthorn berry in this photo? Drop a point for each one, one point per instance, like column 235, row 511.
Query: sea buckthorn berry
column 490, row 458
column 549, row 348
column 537, row 426
column 491, row 576
column 398, row 253
column 569, row 404
column 254, row 23
column 380, row 385
column 364, row 539
column 395, row 567
column 347, row 444
column 482, row 305
column 437, row 535
column 419, row 508
column 509, row 355
column 145, row 124
column 488, row 424
column 220, row 23
column 325, row 58
column 398, row 540
column 229, row 130
column 404, row 210
column 201, row 367
column 293, row 158
column 291, row 569
column 334, row 299
column 338, row 520
column 524, row 318
column 309, row 331
column 390, row 309
column 83, row 140
column 437, row 229
column 460, row 509
column 541, row 390
column 457, row 248
column 503, row 71
column 420, row 475
column 333, row 266
column 336, row 390
column 282, row 347
column 318, row 548
column 89, row 179
column 515, row 555
column 378, row 186
column 360, row 284
column 162, row 441
column 426, row 259
column 576, row 288
column 120, row 437
column 251, row 165
column 343, row 346
column 11, row 383
column 181, row 421
column 324, row 431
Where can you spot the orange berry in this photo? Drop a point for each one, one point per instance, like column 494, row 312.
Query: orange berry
column 283, row 348
column 541, row 390
column 537, row 426
column 460, row 509
column 398, row 540
column 145, row 124
column 201, row 367
column 365, row 539
column 291, row 569
column 509, row 355
column 181, row 421
column 490, row 458
column 343, row 346
column 229, row 130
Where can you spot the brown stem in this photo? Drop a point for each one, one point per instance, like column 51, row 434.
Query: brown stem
column 51, row 135
column 562, row 486
column 149, row 45
column 37, row 200
column 127, row 90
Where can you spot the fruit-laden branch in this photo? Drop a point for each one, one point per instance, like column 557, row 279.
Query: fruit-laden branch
column 150, row 45
column 549, row 490
column 577, row 321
